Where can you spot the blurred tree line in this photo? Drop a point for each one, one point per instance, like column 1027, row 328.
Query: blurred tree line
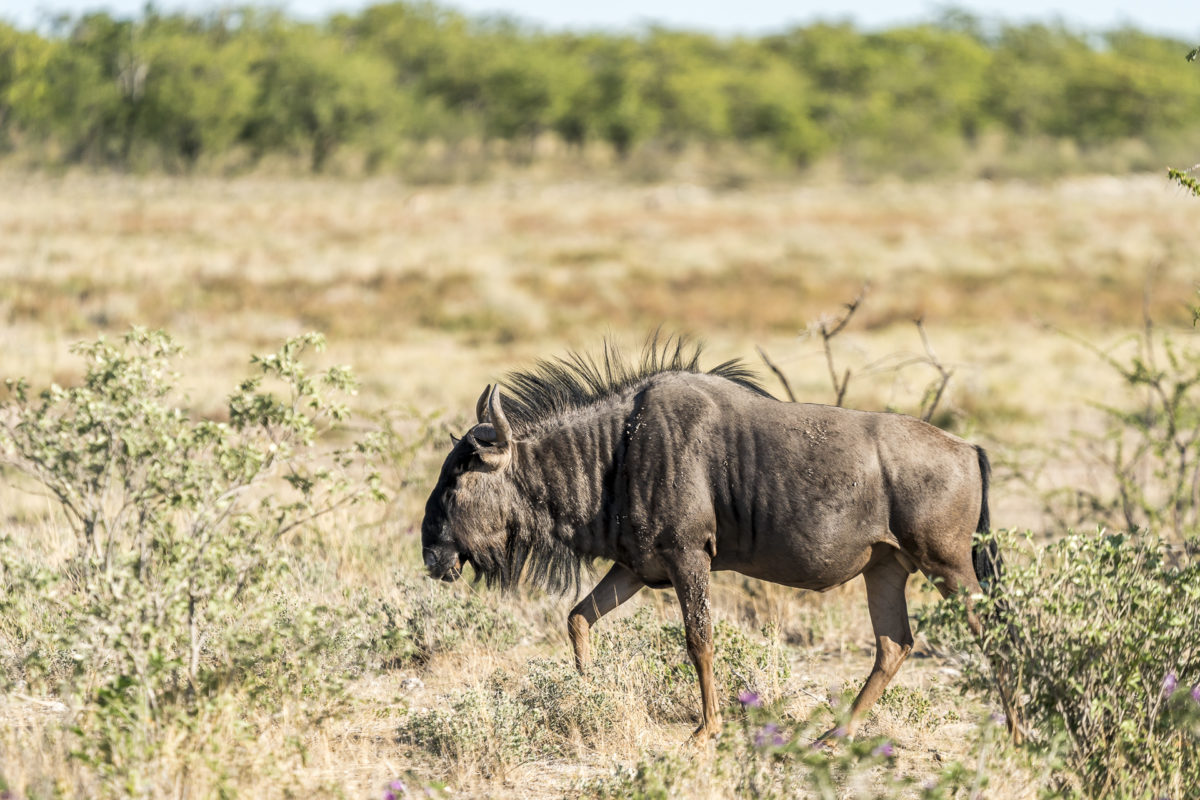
column 170, row 90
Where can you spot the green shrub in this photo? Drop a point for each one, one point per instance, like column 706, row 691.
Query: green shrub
column 433, row 618
column 548, row 710
column 166, row 622
column 916, row 707
column 569, row 707
column 481, row 729
column 1144, row 467
column 1103, row 645
column 1155, row 448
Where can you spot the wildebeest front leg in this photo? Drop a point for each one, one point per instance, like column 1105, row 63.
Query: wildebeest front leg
column 613, row 589
column 690, row 579
column 893, row 636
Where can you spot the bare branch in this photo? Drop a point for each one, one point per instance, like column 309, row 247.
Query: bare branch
column 787, row 387
column 827, row 334
column 841, row 395
column 935, row 362
column 851, row 307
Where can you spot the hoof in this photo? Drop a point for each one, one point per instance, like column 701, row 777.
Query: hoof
column 1018, row 732
column 830, row 739
column 704, row 734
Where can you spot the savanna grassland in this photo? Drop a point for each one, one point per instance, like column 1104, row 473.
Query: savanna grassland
column 428, row 294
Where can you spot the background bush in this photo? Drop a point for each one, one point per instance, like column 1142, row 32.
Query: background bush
column 229, row 88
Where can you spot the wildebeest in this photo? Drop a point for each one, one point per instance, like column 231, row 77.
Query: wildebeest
column 671, row 473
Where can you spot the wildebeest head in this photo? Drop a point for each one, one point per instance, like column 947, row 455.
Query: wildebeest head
column 468, row 514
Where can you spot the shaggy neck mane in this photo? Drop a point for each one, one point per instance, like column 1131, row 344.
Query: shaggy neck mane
column 555, row 388
column 537, row 551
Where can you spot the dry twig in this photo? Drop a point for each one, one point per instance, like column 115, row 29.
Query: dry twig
column 927, row 410
column 787, row 387
column 827, row 334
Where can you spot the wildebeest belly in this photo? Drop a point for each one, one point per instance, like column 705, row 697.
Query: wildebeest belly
column 819, row 558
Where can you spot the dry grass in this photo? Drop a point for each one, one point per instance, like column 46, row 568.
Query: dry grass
column 430, row 293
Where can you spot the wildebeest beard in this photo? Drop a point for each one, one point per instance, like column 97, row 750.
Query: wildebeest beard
column 532, row 555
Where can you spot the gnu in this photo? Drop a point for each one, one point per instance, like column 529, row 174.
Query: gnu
column 670, row 473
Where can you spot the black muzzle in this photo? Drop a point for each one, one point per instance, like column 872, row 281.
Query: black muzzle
column 443, row 563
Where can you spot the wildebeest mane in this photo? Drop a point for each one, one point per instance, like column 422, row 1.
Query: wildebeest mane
column 556, row 387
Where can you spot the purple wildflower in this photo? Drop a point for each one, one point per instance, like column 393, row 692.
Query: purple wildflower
column 886, row 750
column 1196, row 692
column 1169, row 685
column 749, row 699
column 769, row 736
column 395, row 791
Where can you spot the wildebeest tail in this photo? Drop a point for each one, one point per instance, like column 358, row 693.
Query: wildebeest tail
column 999, row 627
column 985, row 554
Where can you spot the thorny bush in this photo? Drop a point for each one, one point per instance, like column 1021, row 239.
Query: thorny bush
column 1142, row 467
column 1154, row 449
column 1100, row 632
column 167, row 621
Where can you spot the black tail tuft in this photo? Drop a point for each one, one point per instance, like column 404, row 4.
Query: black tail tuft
column 985, row 556
column 985, row 475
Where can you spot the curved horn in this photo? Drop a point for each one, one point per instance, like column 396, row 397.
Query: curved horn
column 499, row 421
column 481, row 405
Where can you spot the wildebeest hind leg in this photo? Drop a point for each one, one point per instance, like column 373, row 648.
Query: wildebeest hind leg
column 893, row 637
column 949, row 582
column 613, row 589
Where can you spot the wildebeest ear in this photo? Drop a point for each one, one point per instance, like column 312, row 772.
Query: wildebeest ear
column 481, row 405
column 493, row 453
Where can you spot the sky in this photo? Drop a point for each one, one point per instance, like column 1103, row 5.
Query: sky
column 1179, row 18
